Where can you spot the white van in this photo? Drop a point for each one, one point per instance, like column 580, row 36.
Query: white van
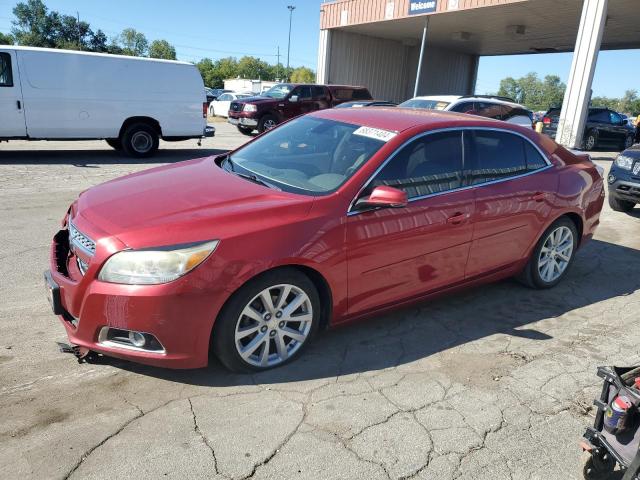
column 130, row 102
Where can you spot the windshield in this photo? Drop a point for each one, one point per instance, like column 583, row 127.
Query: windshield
column 426, row 104
column 308, row 155
column 278, row 91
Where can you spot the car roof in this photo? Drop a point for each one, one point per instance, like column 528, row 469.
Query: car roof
column 470, row 98
column 438, row 98
column 90, row 54
column 398, row 119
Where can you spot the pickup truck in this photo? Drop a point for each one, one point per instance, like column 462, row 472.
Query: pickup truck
column 287, row 100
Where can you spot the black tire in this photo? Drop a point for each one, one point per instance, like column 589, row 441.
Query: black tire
column 267, row 122
column 591, row 140
column 531, row 276
column 628, row 142
column 618, row 205
column 140, row 140
column 223, row 336
column 245, row 130
column 114, row 143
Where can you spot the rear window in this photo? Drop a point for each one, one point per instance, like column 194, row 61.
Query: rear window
column 346, row 94
column 6, row 77
column 426, row 104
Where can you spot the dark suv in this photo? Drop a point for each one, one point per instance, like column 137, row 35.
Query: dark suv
column 605, row 128
column 288, row 100
column 624, row 180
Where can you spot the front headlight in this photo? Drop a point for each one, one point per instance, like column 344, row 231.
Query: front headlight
column 249, row 107
column 154, row 266
column 624, row 162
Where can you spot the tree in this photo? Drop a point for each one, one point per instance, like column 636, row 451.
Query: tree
column 254, row 68
column 630, row 102
column 162, row 49
column 303, row 75
column 6, row 39
column 534, row 93
column 133, row 43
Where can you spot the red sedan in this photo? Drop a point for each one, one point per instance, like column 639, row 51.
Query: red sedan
column 327, row 218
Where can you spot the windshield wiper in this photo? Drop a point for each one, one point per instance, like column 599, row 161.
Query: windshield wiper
column 248, row 176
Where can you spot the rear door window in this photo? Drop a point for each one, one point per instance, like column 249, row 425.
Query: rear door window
column 600, row 116
column 489, row 110
column 361, row 94
column 318, row 92
column 6, row 75
column 495, row 155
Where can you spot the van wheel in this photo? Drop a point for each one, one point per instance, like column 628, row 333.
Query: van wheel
column 267, row 322
column 267, row 123
column 245, row 130
column 552, row 256
column 140, row 140
column 114, row 143
column 591, row 140
column 618, row 205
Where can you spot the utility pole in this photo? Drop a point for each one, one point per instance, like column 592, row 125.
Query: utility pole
column 79, row 37
column 278, row 65
column 291, row 9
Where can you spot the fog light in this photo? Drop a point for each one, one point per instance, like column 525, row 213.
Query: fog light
column 137, row 339
column 611, row 179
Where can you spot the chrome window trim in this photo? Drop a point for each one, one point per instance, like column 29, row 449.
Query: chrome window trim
column 351, row 212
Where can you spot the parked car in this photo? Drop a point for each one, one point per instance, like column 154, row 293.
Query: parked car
column 328, row 218
column 624, row 180
column 220, row 106
column 366, row 103
column 604, row 128
column 130, row 102
column 214, row 93
column 287, row 100
column 499, row 108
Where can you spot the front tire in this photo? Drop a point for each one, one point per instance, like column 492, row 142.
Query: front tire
column 140, row 140
column 618, row 205
column 628, row 142
column 268, row 322
column 267, row 123
column 553, row 255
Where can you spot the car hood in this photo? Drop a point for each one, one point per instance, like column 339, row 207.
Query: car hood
column 257, row 100
column 185, row 202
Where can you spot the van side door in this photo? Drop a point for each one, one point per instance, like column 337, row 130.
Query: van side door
column 13, row 123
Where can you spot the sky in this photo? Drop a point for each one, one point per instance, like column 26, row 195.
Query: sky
column 221, row 28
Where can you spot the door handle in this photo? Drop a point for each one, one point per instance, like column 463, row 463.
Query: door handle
column 19, row 104
column 458, row 218
column 539, row 197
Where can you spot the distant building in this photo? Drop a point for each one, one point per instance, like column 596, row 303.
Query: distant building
column 247, row 85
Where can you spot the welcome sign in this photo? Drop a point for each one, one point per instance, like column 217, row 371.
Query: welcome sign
column 416, row 7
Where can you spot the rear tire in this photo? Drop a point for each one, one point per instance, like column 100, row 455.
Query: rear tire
column 591, row 140
column 140, row 140
column 114, row 143
column 265, row 328
column 267, row 123
column 628, row 142
column 245, row 130
column 618, row 205
column 552, row 256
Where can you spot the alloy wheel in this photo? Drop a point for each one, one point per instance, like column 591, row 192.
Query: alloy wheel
column 269, row 124
column 628, row 142
column 555, row 254
column 591, row 142
column 273, row 325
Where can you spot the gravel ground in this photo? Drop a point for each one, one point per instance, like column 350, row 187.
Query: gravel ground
column 496, row 382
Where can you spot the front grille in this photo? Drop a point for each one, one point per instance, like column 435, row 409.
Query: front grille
column 81, row 241
column 636, row 168
column 235, row 107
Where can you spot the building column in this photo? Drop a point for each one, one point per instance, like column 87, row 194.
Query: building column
column 575, row 106
column 324, row 57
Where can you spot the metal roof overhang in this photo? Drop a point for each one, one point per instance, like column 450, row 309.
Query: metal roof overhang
column 550, row 26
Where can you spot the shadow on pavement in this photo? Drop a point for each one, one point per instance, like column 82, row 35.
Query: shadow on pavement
column 90, row 158
column 601, row 271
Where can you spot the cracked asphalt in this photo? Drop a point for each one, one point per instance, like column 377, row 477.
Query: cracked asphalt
column 496, row 382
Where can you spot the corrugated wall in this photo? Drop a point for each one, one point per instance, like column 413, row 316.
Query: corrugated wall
column 388, row 68
column 363, row 11
column 377, row 63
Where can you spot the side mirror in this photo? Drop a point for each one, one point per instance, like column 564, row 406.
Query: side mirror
column 293, row 98
column 384, row 197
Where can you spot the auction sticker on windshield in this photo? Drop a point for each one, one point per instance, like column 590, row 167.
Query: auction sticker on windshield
column 376, row 133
